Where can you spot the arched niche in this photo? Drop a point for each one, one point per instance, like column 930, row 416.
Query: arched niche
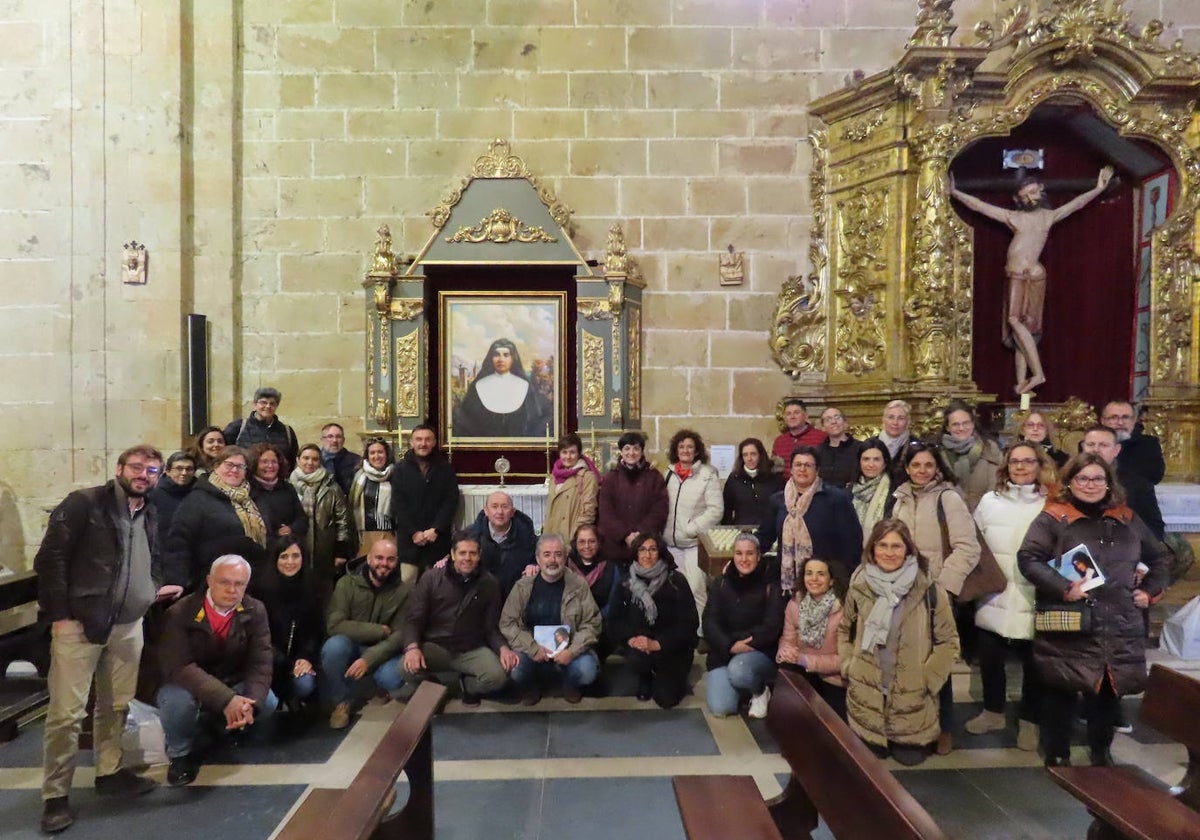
column 888, row 305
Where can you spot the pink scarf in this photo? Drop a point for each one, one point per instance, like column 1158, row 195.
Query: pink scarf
column 795, row 543
column 562, row 473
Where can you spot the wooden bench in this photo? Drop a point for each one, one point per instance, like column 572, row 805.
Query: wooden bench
column 359, row 812
column 834, row 775
column 1124, row 802
column 25, row 638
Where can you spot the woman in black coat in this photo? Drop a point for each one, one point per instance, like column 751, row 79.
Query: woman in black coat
column 276, row 498
column 1108, row 661
column 295, row 620
column 750, row 486
column 654, row 619
column 743, row 620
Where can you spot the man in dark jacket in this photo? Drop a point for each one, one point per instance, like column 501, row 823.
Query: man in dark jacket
column 453, row 626
column 365, row 623
column 98, row 570
column 424, row 500
column 507, row 540
column 837, row 456
column 1139, row 490
column 217, row 662
column 1140, row 463
column 341, row 463
column 263, row 426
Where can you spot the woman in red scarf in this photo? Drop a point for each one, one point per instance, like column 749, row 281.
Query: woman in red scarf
column 573, row 493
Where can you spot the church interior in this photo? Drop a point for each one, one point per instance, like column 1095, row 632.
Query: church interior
column 716, row 203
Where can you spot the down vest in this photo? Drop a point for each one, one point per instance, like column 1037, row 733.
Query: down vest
column 925, row 651
column 1118, row 541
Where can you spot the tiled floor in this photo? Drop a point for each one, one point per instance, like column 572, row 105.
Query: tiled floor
column 598, row 770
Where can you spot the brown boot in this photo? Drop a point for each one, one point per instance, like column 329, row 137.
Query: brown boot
column 945, row 743
column 57, row 815
column 340, row 717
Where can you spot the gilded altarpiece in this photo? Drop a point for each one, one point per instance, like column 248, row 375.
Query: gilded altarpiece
column 886, row 305
column 499, row 227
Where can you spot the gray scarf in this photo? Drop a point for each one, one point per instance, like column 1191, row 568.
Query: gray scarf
column 643, row 583
column 963, row 455
column 814, row 618
column 889, row 589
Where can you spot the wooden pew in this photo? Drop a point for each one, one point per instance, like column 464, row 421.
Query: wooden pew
column 23, row 637
column 834, row 775
column 1124, row 803
column 359, row 812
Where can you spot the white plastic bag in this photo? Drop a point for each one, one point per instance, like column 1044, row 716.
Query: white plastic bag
column 1181, row 632
column 143, row 742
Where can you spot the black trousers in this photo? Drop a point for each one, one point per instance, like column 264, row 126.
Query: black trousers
column 993, row 651
column 668, row 673
column 1058, row 718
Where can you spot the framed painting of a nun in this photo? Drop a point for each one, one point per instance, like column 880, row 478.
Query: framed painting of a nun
column 501, row 376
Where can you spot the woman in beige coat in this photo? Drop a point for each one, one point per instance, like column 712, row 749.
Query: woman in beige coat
column 971, row 457
column 896, row 643
column 573, row 491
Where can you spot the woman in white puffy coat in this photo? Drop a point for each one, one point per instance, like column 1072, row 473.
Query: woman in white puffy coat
column 694, row 505
column 1005, row 620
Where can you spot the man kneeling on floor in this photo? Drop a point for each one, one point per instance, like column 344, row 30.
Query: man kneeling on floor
column 452, row 626
column 552, row 622
column 365, row 623
column 217, row 663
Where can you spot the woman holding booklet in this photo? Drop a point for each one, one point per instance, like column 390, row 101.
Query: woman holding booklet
column 1103, row 653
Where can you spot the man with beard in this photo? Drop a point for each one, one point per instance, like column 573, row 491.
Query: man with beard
column 341, row 463
column 1138, row 459
column 97, row 568
column 452, row 626
column 1030, row 224
column 560, row 601
column 364, row 622
column 424, row 501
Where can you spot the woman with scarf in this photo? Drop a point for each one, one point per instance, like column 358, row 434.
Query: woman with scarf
column 694, row 505
column 1108, row 661
column 632, row 500
column 973, row 459
column 896, row 644
column 276, row 500
column 1005, row 619
column 371, row 495
column 573, row 493
column 1038, row 428
column 295, row 617
column 329, row 541
column 810, row 625
column 943, row 531
column 207, row 446
column 217, row 517
column 811, row 520
column 742, row 623
column 871, row 495
column 750, row 486
column 893, row 437
column 654, row 620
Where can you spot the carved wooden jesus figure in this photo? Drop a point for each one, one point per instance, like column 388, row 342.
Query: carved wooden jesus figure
column 1030, row 224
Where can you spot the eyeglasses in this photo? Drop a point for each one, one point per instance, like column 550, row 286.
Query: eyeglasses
column 804, row 465
column 1023, row 462
column 182, row 468
column 1090, row 481
column 140, row 469
column 229, row 465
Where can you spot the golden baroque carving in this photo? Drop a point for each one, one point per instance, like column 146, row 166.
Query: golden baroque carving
column 1177, row 269
column 861, row 129
column 384, row 260
column 927, row 425
column 863, row 221
column 798, row 332
column 617, row 262
column 1075, row 415
column 408, row 362
column 635, row 363
column 938, row 90
column 383, row 413
column 407, row 309
column 370, row 362
column 593, row 375
column 500, row 162
column 501, row 227
column 933, row 24
column 594, row 309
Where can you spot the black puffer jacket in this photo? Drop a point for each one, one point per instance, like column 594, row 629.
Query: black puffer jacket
column 205, row 527
column 743, row 606
column 1118, row 541
column 279, row 506
column 676, row 624
column 748, row 500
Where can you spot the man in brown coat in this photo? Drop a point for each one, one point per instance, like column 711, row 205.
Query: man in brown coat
column 216, row 660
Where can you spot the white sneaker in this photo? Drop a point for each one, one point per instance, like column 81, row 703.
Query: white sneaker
column 759, row 703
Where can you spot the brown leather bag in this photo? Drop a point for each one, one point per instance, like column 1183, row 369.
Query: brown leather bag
column 987, row 578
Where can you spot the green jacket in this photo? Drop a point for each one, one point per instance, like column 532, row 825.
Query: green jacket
column 579, row 611
column 359, row 611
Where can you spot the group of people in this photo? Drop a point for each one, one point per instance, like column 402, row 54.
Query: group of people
column 323, row 584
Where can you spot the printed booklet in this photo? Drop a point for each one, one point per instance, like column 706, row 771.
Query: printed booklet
column 555, row 638
column 1078, row 564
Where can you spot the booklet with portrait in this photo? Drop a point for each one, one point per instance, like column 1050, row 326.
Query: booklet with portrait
column 1078, row 564
column 554, row 638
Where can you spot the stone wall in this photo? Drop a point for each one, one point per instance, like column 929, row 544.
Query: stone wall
column 255, row 145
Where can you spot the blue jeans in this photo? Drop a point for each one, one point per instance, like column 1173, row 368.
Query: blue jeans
column 747, row 672
column 304, row 686
column 337, row 654
column 182, row 716
column 580, row 672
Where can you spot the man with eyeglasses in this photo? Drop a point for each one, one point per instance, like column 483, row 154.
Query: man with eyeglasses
column 1140, row 454
column 837, row 457
column 264, row 426
column 339, row 461
column 178, row 479
column 98, row 570
column 1139, row 490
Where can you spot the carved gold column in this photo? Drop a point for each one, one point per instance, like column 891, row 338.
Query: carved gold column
column 378, row 283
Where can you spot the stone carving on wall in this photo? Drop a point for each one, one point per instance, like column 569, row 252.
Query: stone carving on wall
column 863, row 224
column 798, row 331
column 408, row 374
column 501, row 227
column 593, row 375
column 731, row 267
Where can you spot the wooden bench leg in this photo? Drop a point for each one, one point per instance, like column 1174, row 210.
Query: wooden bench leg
column 415, row 820
column 1100, row 830
column 793, row 812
